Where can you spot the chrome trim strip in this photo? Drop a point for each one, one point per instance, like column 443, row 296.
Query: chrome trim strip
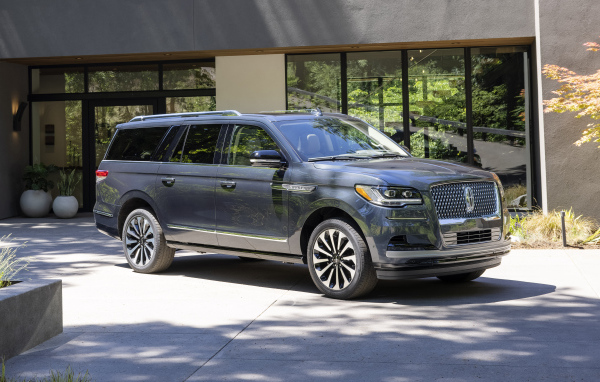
column 186, row 228
column 299, row 187
column 474, row 249
column 393, row 218
column 258, row 237
column 107, row 214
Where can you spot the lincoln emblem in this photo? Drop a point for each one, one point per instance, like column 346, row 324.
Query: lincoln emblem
column 469, row 199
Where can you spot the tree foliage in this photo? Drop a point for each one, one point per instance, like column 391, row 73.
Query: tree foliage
column 578, row 93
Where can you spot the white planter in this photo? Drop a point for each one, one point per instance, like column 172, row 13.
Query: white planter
column 35, row 203
column 65, row 206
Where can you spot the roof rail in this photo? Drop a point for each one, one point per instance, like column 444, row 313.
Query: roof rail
column 186, row 115
column 316, row 111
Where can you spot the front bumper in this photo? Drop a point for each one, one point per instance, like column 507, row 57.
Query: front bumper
column 431, row 263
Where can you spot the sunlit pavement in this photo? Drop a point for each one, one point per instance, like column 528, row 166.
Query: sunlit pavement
column 214, row 317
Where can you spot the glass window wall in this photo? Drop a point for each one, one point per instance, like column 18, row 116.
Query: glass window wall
column 56, row 139
column 57, row 80
column 375, row 90
column 313, row 81
column 189, row 76
column 436, row 86
column 500, row 123
column 123, row 78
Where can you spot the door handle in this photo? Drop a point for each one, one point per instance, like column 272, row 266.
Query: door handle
column 227, row 184
column 169, row 182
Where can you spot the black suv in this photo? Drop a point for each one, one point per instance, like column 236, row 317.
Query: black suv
column 327, row 190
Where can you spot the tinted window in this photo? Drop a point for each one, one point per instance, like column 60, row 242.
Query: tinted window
column 167, row 144
column 199, row 145
column 244, row 141
column 136, row 144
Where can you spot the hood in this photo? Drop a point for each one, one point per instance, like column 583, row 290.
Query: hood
column 410, row 172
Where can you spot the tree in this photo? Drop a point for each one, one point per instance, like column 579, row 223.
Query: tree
column 578, row 93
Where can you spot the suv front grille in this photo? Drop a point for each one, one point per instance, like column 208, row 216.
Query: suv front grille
column 450, row 203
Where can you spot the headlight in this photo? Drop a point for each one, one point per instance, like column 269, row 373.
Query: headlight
column 389, row 196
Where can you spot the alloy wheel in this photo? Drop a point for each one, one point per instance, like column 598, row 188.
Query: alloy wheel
column 140, row 242
column 334, row 259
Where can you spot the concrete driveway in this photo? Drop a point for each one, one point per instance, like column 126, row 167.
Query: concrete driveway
column 215, row 317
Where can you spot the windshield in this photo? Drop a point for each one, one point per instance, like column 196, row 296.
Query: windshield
column 332, row 138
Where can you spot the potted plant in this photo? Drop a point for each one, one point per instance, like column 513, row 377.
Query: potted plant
column 66, row 205
column 36, row 201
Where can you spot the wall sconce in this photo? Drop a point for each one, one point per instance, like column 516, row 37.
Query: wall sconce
column 18, row 116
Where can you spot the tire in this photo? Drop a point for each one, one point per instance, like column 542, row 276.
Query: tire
column 461, row 277
column 339, row 262
column 153, row 255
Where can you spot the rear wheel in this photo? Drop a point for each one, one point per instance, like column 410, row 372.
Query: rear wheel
column 339, row 261
column 144, row 243
column 461, row 277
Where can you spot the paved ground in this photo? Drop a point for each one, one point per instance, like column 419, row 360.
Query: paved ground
column 214, row 317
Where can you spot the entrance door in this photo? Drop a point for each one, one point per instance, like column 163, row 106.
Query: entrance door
column 103, row 117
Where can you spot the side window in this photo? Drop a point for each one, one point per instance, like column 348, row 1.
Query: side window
column 244, row 141
column 136, row 144
column 198, row 145
column 167, row 144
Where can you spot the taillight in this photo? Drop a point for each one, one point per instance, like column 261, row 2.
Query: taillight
column 101, row 175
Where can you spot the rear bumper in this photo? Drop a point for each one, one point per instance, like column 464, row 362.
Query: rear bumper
column 418, row 264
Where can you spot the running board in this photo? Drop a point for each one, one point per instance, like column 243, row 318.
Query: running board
column 286, row 258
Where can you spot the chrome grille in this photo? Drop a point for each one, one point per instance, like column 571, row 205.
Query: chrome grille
column 449, row 200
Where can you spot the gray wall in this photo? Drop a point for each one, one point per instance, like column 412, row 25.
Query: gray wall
column 42, row 28
column 571, row 171
column 14, row 146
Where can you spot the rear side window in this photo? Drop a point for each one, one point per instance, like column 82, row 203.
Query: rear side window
column 136, row 144
column 198, row 146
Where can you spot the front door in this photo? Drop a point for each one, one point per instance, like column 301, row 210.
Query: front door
column 104, row 116
column 251, row 204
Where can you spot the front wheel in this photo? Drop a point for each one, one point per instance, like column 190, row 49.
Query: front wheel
column 339, row 261
column 461, row 277
column 144, row 244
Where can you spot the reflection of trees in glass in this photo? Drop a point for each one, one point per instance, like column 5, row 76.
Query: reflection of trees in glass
column 314, row 83
column 191, row 104
column 188, row 78
column 73, row 133
column 122, row 81
column 244, row 141
column 375, row 91
column 498, row 96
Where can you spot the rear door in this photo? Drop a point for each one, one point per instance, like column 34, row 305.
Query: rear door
column 251, row 204
column 185, row 186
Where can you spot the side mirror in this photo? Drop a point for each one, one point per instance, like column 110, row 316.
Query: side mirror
column 267, row 158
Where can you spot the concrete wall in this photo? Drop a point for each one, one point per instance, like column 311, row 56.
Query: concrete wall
column 14, row 145
column 251, row 83
column 571, row 171
column 41, row 28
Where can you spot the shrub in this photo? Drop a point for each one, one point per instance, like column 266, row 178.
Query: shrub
column 10, row 265
column 67, row 376
column 542, row 230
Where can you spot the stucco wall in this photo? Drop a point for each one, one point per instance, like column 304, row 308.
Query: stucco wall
column 41, row 28
column 571, row 171
column 14, row 145
column 251, row 83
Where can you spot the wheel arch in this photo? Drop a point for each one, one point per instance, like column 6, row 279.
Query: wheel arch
column 132, row 201
column 319, row 216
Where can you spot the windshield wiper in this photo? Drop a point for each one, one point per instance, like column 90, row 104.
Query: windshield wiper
column 337, row 157
column 387, row 155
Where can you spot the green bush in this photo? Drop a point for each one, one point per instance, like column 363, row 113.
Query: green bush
column 10, row 265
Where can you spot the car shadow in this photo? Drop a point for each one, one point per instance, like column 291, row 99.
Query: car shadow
column 295, row 277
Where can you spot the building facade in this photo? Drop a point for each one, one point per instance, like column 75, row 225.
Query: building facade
column 456, row 80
